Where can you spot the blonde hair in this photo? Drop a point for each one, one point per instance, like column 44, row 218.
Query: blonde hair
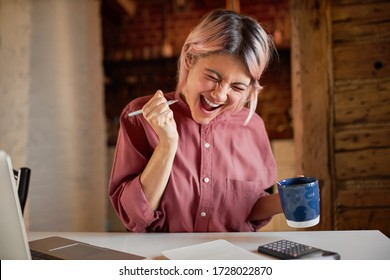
column 224, row 31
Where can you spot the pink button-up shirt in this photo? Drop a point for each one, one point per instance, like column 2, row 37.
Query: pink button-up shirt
column 219, row 172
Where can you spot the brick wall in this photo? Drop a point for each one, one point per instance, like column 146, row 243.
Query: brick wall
column 152, row 39
column 142, row 35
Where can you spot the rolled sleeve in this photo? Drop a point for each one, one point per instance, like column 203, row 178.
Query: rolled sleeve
column 134, row 208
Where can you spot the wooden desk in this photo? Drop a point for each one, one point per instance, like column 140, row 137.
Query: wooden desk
column 351, row 245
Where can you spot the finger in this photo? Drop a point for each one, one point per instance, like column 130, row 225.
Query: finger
column 157, row 99
column 160, row 109
column 164, row 118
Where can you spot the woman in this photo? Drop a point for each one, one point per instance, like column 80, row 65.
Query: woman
column 203, row 163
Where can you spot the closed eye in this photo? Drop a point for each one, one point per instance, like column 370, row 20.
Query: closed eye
column 238, row 88
column 214, row 79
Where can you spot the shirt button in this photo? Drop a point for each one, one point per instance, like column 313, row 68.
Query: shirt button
column 206, row 180
column 203, row 214
column 207, row 145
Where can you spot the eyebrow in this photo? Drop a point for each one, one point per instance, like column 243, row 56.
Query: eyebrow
column 220, row 77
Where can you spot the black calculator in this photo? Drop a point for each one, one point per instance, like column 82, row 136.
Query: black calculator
column 286, row 250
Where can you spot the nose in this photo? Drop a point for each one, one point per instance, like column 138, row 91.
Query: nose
column 220, row 92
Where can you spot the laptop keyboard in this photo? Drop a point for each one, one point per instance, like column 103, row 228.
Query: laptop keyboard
column 35, row 255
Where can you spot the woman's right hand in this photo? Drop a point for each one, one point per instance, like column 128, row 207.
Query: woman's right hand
column 156, row 174
column 160, row 117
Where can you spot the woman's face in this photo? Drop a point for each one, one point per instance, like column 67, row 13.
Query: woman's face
column 215, row 84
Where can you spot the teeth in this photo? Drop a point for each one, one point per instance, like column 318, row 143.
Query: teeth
column 211, row 103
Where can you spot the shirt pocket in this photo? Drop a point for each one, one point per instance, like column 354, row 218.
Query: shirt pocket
column 239, row 199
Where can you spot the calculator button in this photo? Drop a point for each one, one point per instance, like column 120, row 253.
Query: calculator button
column 285, row 249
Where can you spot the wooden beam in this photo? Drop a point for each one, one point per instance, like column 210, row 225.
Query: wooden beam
column 311, row 92
column 233, row 5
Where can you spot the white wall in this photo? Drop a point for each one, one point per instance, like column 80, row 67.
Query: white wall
column 15, row 31
column 63, row 110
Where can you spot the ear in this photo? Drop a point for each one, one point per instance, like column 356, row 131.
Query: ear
column 188, row 61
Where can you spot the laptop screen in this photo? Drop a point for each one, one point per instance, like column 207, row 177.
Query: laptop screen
column 13, row 238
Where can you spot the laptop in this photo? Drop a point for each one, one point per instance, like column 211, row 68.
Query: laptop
column 14, row 244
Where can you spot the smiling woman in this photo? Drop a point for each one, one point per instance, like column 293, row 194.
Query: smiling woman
column 216, row 83
column 203, row 163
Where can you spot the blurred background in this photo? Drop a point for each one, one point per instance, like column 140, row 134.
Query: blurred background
column 68, row 68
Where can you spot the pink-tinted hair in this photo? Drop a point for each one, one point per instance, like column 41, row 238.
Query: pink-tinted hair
column 224, row 31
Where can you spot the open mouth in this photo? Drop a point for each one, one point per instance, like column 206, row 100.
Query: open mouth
column 208, row 105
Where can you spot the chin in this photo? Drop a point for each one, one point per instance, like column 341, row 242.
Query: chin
column 200, row 120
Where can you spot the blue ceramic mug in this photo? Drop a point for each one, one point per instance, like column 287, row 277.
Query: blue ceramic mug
column 300, row 200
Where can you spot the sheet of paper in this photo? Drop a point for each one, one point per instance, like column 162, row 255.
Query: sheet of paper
column 214, row 250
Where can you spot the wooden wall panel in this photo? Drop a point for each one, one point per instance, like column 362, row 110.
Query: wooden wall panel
column 362, row 101
column 364, row 218
column 356, row 132
column 362, row 137
column 370, row 107
column 363, row 185
column 361, row 60
column 361, row 11
column 369, row 198
column 363, row 163
column 355, row 2
column 360, row 21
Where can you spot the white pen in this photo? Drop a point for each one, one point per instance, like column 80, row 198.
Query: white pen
column 170, row 102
